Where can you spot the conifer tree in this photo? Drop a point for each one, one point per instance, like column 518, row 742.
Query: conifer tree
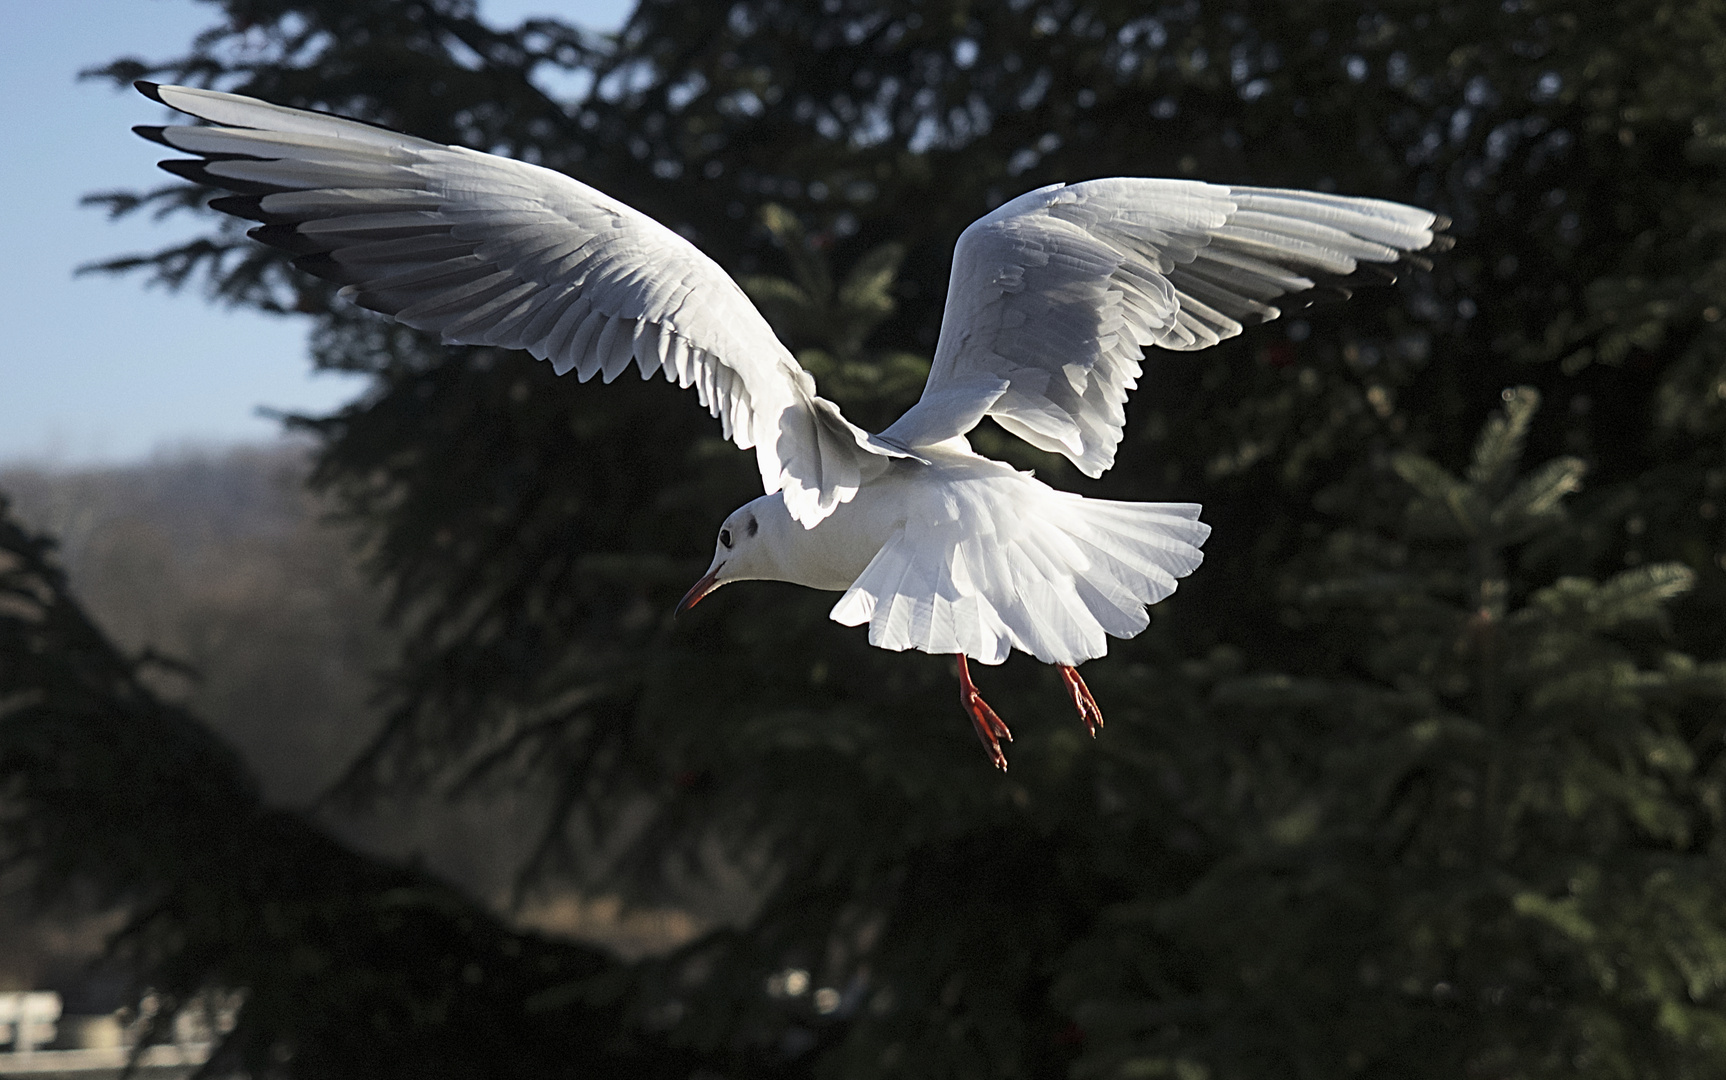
column 303, row 958
column 1482, row 841
column 1415, row 776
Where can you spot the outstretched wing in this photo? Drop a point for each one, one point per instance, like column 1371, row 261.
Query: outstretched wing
column 1054, row 294
column 489, row 251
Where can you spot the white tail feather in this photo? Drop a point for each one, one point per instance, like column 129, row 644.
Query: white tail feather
column 1002, row 561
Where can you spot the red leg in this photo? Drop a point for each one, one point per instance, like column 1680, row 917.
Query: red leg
column 1082, row 699
column 989, row 727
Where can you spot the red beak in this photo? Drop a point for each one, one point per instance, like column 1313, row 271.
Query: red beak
column 700, row 589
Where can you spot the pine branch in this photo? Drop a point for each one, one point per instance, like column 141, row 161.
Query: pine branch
column 1498, row 451
column 1535, row 501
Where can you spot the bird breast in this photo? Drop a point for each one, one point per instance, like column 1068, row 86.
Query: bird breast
column 835, row 553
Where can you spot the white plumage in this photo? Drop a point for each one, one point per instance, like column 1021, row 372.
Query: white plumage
column 1054, row 295
column 1053, row 298
column 987, row 560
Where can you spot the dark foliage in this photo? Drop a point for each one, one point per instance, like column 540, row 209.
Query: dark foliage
column 342, row 966
column 1418, row 776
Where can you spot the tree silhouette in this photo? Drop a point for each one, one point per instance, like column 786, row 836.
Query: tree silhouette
column 1418, row 774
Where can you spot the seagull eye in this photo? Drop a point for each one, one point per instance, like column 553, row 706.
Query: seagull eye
column 725, row 537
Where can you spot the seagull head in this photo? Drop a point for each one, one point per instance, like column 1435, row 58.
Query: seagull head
column 748, row 548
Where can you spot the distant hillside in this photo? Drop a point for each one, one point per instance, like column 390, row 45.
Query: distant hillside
column 221, row 561
column 225, row 563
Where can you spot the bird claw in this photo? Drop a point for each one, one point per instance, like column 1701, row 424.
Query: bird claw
column 1080, row 694
column 990, row 728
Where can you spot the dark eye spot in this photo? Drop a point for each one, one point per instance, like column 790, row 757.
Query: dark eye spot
column 725, row 537
column 752, row 527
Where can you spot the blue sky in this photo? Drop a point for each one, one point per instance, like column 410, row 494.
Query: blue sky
column 100, row 369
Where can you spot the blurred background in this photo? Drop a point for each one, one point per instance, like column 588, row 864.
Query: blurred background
column 344, row 728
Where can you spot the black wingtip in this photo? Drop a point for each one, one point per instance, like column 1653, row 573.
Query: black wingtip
column 242, row 206
column 186, row 169
column 153, row 132
column 197, row 172
column 287, row 237
column 150, row 90
column 322, row 264
column 1440, row 240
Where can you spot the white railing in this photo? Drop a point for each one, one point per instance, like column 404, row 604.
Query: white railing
column 101, row 1045
column 107, row 1060
column 28, row 1020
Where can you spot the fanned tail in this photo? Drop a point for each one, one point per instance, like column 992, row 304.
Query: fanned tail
column 1046, row 572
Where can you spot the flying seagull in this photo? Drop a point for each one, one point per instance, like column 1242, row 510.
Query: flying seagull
column 1053, row 297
